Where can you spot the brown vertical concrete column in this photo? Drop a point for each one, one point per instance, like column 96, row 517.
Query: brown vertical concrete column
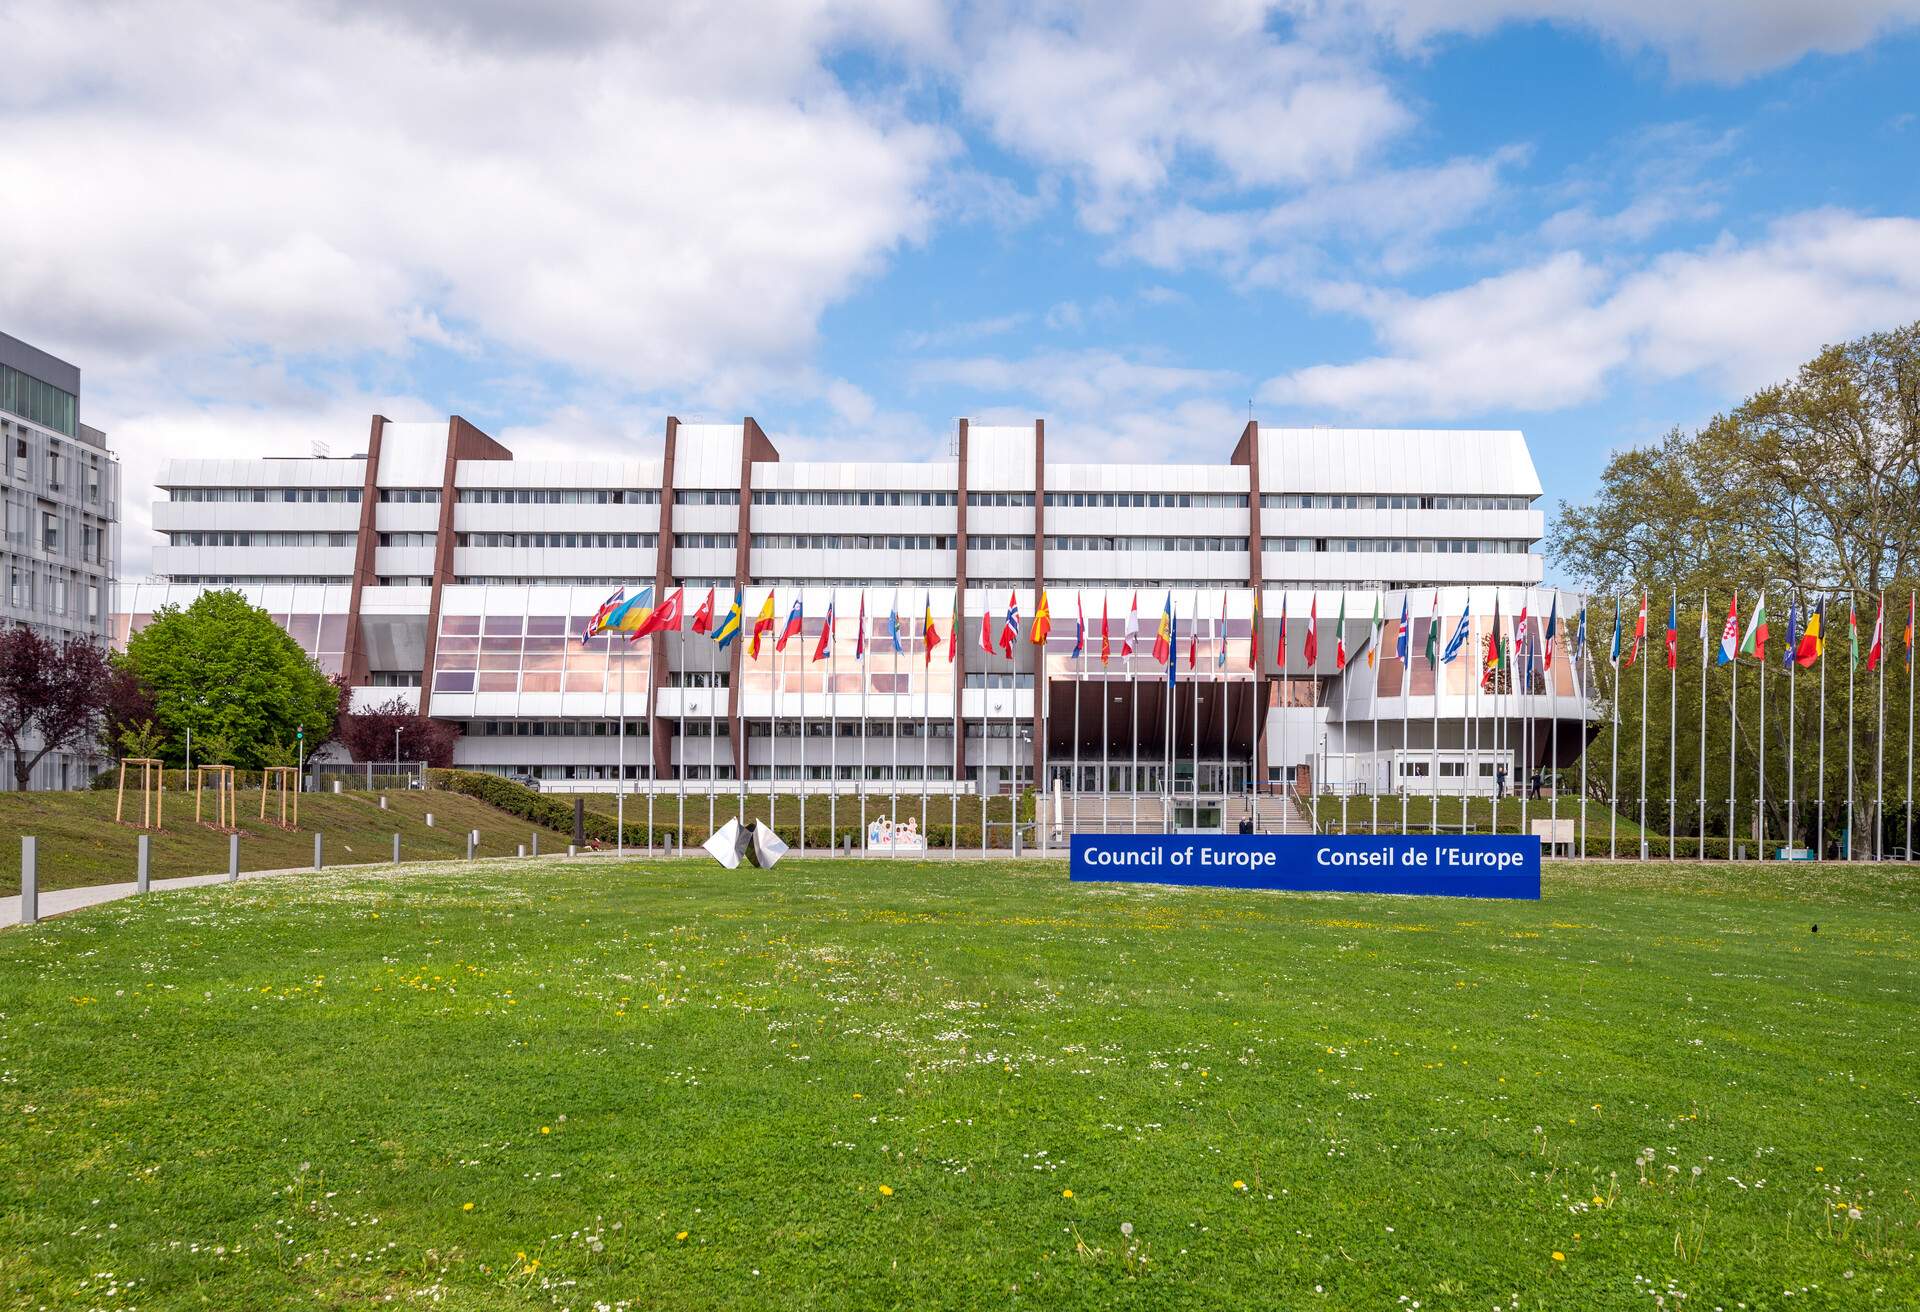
column 961, row 640
column 1041, row 692
column 1248, row 453
column 659, row 729
column 753, row 446
column 464, row 442
column 355, row 664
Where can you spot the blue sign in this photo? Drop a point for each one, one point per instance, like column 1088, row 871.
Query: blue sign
column 1423, row 865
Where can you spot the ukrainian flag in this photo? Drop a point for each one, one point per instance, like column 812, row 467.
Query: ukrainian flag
column 630, row 614
column 730, row 626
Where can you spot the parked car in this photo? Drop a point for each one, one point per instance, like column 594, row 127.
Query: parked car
column 522, row 777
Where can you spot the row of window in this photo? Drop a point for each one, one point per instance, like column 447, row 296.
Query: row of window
column 269, row 538
column 524, row 541
column 707, row 496
column 49, row 592
column 253, row 580
column 824, row 497
column 417, row 539
column 707, row 541
column 1381, row 501
column 999, row 542
column 1428, row 546
column 552, row 496
column 43, row 403
column 1081, row 542
column 55, row 463
column 876, row 728
column 334, row 495
column 410, row 496
column 854, row 542
column 1180, row 500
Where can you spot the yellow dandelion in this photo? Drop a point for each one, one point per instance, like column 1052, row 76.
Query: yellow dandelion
column 466, row 1207
column 1559, row 1256
column 546, row 1129
column 886, row 1191
column 1241, row 1185
column 681, row 1236
column 1066, row 1193
column 856, row 1096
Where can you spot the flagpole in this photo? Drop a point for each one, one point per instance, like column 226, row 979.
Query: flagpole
column 1133, row 775
column 1585, row 679
column 1673, row 726
column 1733, row 752
column 620, row 783
column 1193, row 669
column 1853, row 661
column 1220, row 668
column 738, row 702
column 1523, row 774
column 653, row 784
column 1253, row 763
column 1553, row 717
column 1793, row 717
column 680, row 642
column 1469, row 696
column 1613, row 786
column 1433, row 747
column 955, row 619
column 1908, row 846
column 1820, row 792
column 713, row 768
column 1079, row 682
column 866, row 750
column 1760, row 789
column 926, row 719
column 1406, row 700
column 833, row 719
column 1106, row 696
column 1703, row 725
column 1880, row 731
column 1640, row 640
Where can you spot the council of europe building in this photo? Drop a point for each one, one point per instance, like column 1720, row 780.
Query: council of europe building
column 437, row 568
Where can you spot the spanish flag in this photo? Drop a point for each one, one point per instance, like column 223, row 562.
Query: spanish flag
column 762, row 623
column 1042, row 621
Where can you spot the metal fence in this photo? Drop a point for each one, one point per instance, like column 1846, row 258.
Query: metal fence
column 352, row 776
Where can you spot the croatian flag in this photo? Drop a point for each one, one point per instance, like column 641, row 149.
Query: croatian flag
column 1730, row 633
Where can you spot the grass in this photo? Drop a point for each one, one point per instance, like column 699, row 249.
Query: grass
column 79, row 843
column 868, row 1084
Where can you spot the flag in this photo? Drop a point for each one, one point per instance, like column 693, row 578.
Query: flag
column 1876, row 651
column 1673, row 632
column 1853, row 634
column 598, row 623
column 1163, row 637
column 1433, row 632
column 630, row 614
column 1495, row 650
column 1280, row 652
column 1811, row 644
column 1791, row 647
column 1193, row 636
column 664, row 617
column 893, row 621
column 1172, row 624
column 1613, row 657
column 1755, row 643
column 1340, row 635
column 703, row 618
column 824, row 648
column 1253, row 638
column 1729, row 633
column 1580, row 630
column 986, row 631
column 953, row 628
column 1704, row 645
column 1400, row 643
column 1042, row 621
column 1220, row 636
column 1010, row 630
column 1909, row 633
column 929, row 636
column 1373, row 642
column 796, row 620
column 1527, row 656
column 762, row 623
column 1079, row 628
column 1459, row 638
column 1553, row 622
column 860, row 632
column 1132, row 636
column 1106, row 639
column 1311, row 649
column 730, row 625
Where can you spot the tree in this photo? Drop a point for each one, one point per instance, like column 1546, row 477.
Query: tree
column 223, row 669
column 52, row 697
column 142, row 741
column 369, row 735
column 1809, row 489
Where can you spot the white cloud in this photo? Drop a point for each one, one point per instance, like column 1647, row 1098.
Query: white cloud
column 1721, row 39
column 1551, row 335
column 653, row 199
column 1120, row 95
column 1085, row 381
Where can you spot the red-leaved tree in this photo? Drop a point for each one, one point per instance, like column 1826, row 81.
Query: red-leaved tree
column 52, row 697
column 369, row 735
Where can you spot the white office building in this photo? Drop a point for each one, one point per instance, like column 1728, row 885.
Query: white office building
column 438, row 568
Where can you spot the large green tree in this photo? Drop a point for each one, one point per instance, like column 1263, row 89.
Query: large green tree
column 222, row 668
column 1810, row 490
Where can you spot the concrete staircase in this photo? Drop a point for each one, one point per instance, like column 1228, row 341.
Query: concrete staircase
column 1272, row 815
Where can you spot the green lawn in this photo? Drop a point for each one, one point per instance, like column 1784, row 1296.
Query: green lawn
column 887, row 1084
column 80, row 844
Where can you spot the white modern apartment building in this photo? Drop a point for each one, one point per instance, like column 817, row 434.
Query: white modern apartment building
column 60, row 504
column 438, row 568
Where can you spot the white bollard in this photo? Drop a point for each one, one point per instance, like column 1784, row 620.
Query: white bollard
column 383, row 801
column 142, row 879
column 470, row 844
column 233, row 858
column 520, row 850
column 572, row 850
column 429, row 819
column 396, row 849
column 29, row 881
column 536, row 842
column 316, row 849
column 336, row 785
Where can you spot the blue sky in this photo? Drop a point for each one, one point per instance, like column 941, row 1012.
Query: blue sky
column 857, row 219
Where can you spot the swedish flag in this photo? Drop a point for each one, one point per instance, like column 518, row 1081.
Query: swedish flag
column 730, row 626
